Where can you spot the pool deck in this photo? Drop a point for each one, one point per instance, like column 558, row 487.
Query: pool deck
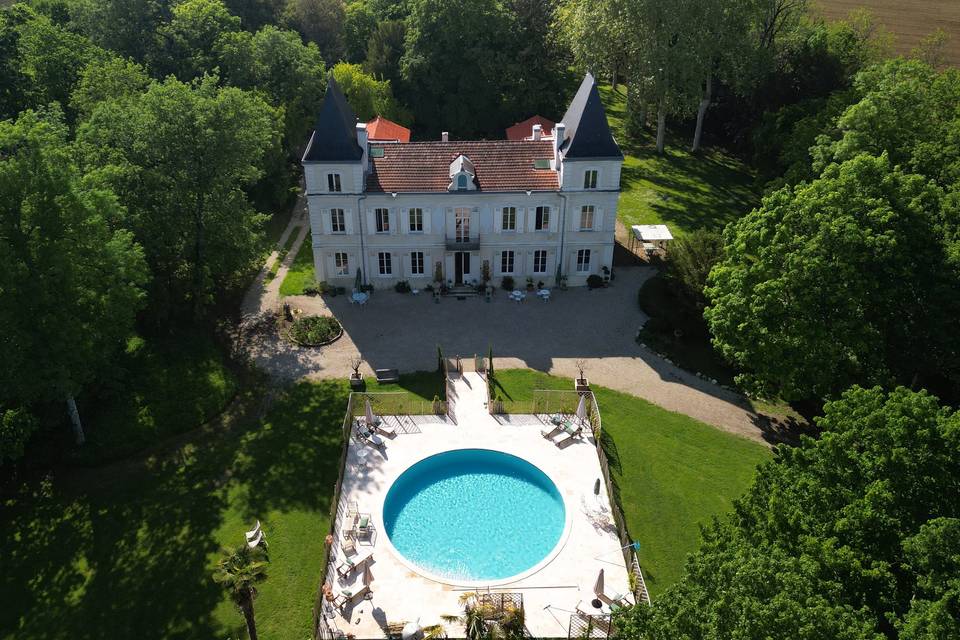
column 550, row 594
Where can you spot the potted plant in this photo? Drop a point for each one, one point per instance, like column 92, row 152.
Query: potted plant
column 529, row 283
column 563, row 283
column 581, row 383
column 606, row 276
column 540, row 285
column 507, row 283
column 356, row 378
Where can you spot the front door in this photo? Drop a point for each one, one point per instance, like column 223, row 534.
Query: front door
column 461, row 266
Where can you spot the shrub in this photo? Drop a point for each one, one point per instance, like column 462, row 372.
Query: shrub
column 402, row 287
column 594, row 281
column 314, row 330
column 506, row 283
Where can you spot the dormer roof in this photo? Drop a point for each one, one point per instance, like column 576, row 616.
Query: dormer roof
column 334, row 138
column 588, row 133
column 462, row 164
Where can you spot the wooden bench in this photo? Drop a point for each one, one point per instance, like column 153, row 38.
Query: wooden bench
column 385, row 376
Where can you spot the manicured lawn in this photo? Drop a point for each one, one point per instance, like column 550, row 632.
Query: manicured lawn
column 673, row 473
column 126, row 551
column 160, row 387
column 300, row 273
column 680, row 189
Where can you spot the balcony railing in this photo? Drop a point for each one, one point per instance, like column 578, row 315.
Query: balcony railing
column 463, row 244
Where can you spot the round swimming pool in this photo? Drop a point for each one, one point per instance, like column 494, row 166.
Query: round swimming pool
column 474, row 515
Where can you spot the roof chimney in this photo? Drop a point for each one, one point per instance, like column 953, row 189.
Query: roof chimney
column 362, row 142
column 559, row 135
column 445, row 136
column 537, row 132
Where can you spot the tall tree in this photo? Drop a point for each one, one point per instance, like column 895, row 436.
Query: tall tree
column 180, row 155
column 359, row 23
column 125, row 27
column 186, row 42
column 320, row 22
column 458, row 63
column 110, row 78
column 854, row 535
column 239, row 572
column 844, row 280
column 367, row 96
column 71, row 280
column 385, row 50
column 276, row 62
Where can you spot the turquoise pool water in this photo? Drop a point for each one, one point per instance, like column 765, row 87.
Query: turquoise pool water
column 474, row 514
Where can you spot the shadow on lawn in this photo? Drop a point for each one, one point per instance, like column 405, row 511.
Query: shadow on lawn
column 125, row 551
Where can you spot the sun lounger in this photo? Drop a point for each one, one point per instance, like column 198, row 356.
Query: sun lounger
column 385, row 429
column 571, row 436
column 386, row 376
column 557, row 430
column 348, row 598
column 618, row 601
column 348, row 566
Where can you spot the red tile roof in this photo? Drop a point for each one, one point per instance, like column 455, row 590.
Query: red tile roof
column 524, row 129
column 425, row 166
column 382, row 129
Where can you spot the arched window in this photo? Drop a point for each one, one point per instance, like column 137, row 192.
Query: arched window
column 461, row 182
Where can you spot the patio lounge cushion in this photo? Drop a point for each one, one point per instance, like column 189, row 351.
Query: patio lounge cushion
column 388, row 375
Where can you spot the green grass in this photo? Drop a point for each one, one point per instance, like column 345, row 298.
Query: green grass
column 683, row 190
column 672, row 472
column 300, row 273
column 127, row 550
column 159, row 388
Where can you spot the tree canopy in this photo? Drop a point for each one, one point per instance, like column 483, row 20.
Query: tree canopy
column 843, row 280
column 71, row 279
column 180, row 155
column 853, row 535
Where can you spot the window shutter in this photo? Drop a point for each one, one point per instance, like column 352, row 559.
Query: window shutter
column 428, row 265
column 474, row 224
column 371, row 222
column 394, row 223
column 348, row 220
column 598, row 219
column 408, row 263
column 404, row 221
column 426, row 225
column 326, row 225
column 449, row 224
column 554, row 220
column 497, row 219
column 521, row 219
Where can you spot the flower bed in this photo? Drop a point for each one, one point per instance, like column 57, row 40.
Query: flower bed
column 315, row 331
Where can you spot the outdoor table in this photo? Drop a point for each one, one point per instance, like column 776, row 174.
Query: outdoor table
column 517, row 296
column 544, row 294
column 360, row 298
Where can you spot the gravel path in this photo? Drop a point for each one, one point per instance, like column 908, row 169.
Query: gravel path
column 402, row 331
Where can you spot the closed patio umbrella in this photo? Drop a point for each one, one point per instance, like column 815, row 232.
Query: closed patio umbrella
column 582, row 409
column 367, row 576
column 598, row 585
column 372, row 420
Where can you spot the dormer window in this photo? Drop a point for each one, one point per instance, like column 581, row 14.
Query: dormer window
column 590, row 179
column 462, row 174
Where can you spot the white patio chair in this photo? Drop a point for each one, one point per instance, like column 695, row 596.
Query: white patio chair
column 253, row 532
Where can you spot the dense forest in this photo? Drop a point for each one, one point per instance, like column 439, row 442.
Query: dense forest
column 145, row 146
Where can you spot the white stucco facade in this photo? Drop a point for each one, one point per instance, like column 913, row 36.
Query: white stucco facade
column 491, row 224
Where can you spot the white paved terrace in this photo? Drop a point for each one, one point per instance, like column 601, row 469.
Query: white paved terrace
column 550, row 594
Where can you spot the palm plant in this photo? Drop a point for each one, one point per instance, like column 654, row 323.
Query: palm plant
column 474, row 625
column 238, row 571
